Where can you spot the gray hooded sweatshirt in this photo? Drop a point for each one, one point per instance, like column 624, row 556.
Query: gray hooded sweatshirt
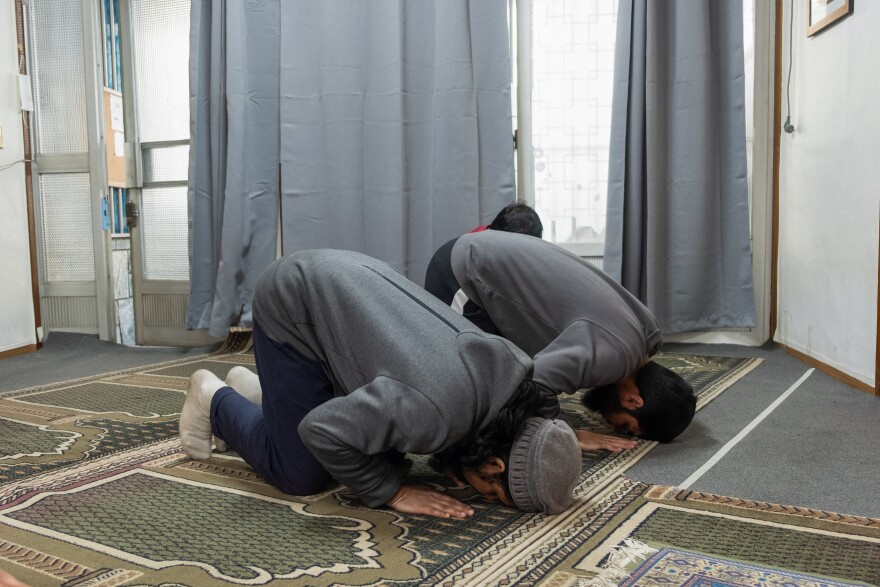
column 581, row 327
column 408, row 372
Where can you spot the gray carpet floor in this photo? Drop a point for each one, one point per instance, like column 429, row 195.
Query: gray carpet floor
column 817, row 449
column 820, row 448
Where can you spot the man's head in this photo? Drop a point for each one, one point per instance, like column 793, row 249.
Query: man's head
column 518, row 218
column 490, row 480
column 540, row 472
column 655, row 403
column 521, row 458
column 545, row 465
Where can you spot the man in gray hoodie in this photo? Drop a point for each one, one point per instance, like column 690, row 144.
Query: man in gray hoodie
column 583, row 330
column 356, row 363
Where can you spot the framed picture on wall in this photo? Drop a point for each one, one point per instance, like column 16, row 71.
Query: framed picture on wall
column 821, row 14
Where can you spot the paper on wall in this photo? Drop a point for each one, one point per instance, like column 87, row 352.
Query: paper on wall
column 24, row 92
column 116, row 122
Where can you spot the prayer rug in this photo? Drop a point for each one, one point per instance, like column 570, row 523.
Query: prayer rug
column 94, row 491
column 652, row 535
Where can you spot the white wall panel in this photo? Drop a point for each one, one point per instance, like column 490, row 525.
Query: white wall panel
column 16, row 304
column 829, row 192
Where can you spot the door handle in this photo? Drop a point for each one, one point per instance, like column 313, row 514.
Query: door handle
column 132, row 213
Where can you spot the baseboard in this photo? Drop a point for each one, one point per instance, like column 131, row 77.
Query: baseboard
column 829, row 370
column 22, row 350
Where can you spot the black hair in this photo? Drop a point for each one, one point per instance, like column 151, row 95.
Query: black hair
column 518, row 218
column 496, row 438
column 668, row 404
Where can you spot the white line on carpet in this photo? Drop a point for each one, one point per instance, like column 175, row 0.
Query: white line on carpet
column 743, row 433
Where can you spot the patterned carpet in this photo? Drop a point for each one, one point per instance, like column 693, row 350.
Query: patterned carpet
column 704, row 540
column 95, row 491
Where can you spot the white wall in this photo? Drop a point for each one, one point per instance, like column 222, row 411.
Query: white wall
column 829, row 198
column 16, row 304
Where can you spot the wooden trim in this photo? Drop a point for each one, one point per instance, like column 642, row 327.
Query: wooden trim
column 22, row 350
column 828, row 369
column 777, row 125
column 29, row 182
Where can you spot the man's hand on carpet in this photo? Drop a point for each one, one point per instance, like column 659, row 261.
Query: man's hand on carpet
column 415, row 499
column 593, row 441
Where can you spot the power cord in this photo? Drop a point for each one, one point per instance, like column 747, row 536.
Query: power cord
column 8, row 165
column 788, row 126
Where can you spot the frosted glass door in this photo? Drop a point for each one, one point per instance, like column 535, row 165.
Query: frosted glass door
column 159, row 50
column 70, row 243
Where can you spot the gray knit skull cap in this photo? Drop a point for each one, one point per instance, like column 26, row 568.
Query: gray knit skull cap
column 545, row 465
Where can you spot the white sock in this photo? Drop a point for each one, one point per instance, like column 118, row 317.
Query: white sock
column 195, row 419
column 246, row 383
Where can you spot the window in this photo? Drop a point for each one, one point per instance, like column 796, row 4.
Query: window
column 572, row 76
column 571, row 72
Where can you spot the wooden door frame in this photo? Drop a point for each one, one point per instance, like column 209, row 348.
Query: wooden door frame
column 21, row 39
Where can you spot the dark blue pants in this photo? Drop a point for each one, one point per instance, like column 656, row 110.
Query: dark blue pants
column 266, row 437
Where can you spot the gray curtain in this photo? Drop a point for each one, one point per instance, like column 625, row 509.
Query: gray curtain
column 677, row 235
column 233, row 167
column 395, row 124
column 390, row 121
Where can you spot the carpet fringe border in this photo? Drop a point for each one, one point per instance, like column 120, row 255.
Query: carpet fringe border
column 621, row 556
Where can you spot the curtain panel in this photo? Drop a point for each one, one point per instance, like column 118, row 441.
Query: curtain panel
column 395, row 125
column 677, row 231
column 389, row 123
column 233, row 167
